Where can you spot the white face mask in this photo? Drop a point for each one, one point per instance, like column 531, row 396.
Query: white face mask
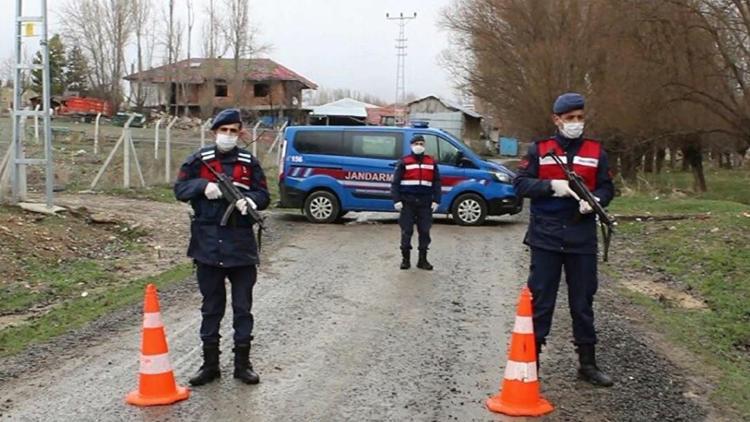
column 417, row 149
column 225, row 142
column 572, row 130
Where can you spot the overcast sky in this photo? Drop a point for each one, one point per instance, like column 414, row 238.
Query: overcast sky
column 335, row 43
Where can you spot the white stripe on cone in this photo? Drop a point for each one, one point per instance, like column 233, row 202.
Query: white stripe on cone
column 521, row 371
column 523, row 325
column 152, row 320
column 155, row 364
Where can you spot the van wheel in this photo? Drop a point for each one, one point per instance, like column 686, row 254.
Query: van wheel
column 321, row 207
column 469, row 210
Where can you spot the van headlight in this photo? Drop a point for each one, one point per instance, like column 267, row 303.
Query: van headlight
column 502, row 177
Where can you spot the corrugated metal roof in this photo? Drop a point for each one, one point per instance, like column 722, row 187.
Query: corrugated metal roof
column 343, row 107
column 451, row 105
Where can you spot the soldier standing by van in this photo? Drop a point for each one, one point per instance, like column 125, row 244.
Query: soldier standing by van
column 562, row 230
column 222, row 252
column 416, row 194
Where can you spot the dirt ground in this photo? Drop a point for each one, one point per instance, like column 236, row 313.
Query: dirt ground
column 127, row 238
column 343, row 334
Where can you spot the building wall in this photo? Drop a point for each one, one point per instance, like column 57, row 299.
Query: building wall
column 6, row 99
column 429, row 105
column 472, row 128
column 202, row 96
column 451, row 121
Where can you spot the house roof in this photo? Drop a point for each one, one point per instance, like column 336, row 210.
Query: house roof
column 343, row 107
column 450, row 105
column 198, row 71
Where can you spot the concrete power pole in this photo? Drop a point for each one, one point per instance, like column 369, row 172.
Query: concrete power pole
column 26, row 26
column 400, row 106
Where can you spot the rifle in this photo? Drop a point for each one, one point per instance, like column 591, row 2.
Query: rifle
column 606, row 223
column 230, row 192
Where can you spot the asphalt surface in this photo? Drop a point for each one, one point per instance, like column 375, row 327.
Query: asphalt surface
column 343, row 334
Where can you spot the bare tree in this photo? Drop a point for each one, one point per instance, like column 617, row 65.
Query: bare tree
column 142, row 21
column 646, row 68
column 172, row 43
column 213, row 43
column 102, row 28
column 190, row 23
column 7, row 67
column 241, row 41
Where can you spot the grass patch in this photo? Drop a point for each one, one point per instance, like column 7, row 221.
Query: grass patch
column 51, row 282
column 76, row 312
column 723, row 185
column 711, row 259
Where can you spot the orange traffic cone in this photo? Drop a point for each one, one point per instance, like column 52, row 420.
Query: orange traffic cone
column 519, row 395
column 156, row 384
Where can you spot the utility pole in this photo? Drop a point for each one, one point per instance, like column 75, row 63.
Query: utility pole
column 26, row 26
column 401, row 64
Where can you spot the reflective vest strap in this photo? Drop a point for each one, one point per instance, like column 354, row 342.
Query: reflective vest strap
column 548, row 168
column 585, row 163
column 418, row 173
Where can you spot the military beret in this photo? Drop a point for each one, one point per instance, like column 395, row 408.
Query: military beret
column 226, row 117
column 568, row 102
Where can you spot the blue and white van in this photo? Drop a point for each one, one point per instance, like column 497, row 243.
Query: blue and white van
column 329, row 170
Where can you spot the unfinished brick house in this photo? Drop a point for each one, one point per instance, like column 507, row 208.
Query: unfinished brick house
column 261, row 88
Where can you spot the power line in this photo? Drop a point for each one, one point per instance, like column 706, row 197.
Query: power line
column 401, row 61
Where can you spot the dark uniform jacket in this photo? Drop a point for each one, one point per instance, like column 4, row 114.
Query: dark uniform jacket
column 416, row 194
column 555, row 223
column 233, row 245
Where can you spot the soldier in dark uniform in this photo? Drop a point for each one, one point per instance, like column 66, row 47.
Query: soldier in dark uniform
column 562, row 228
column 416, row 194
column 224, row 252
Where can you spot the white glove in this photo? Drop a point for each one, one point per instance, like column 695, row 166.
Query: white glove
column 561, row 189
column 584, row 207
column 398, row 205
column 212, row 191
column 241, row 205
column 434, row 206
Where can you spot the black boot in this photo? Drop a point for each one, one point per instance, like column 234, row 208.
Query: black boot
column 209, row 371
column 243, row 369
column 538, row 352
column 422, row 263
column 588, row 371
column 405, row 259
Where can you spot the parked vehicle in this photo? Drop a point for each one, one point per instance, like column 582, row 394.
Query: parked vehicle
column 329, row 170
column 121, row 118
column 84, row 107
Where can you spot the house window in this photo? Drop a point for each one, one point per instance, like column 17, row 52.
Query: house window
column 261, row 90
column 220, row 88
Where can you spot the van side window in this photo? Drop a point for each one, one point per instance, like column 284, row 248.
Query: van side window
column 448, row 153
column 443, row 151
column 326, row 142
column 386, row 145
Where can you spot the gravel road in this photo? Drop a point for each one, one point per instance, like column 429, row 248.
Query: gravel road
column 343, row 334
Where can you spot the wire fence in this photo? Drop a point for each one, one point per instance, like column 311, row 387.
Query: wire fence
column 110, row 157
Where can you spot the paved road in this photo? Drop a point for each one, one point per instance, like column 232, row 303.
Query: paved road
column 341, row 334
